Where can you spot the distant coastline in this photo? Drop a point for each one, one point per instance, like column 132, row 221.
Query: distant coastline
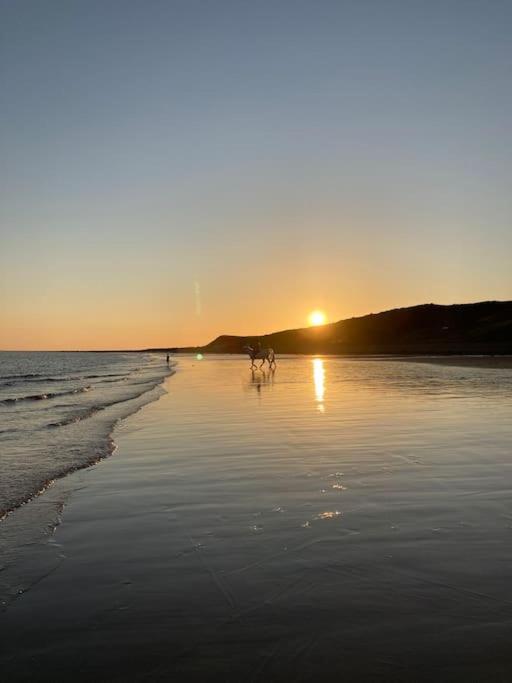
column 477, row 329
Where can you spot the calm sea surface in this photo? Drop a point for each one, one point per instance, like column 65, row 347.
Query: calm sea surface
column 57, row 411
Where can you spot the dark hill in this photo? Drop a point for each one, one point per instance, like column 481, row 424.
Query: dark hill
column 480, row 328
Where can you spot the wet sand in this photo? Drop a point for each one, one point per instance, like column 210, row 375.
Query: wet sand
column 333, row 520
column 491, row 362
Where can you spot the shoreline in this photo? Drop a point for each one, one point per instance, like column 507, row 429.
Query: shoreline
column 33, row 521
column 136, row 403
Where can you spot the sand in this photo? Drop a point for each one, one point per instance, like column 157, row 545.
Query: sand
column 491, row 362
column 334, row 520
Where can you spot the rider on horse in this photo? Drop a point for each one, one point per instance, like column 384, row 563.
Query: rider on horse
column 257, row 352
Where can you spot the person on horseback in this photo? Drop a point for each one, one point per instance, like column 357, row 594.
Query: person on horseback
column 257, row 352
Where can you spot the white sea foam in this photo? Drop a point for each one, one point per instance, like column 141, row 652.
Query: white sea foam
column 57, row 411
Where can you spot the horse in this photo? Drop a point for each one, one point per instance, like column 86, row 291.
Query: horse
column 263, row 355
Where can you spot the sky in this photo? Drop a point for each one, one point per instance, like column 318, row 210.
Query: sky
column 175, row 170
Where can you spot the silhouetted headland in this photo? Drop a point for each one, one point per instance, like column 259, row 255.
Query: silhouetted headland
column 458, row 329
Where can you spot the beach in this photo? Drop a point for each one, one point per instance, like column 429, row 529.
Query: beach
column 491, row 362
column 333, row 519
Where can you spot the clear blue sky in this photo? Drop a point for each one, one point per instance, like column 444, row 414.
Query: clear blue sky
column 174, row 170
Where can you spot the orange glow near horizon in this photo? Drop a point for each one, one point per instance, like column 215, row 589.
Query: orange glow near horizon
column 138, row 314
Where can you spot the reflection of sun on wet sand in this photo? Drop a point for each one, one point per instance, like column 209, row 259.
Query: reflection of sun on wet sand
column 319, row 382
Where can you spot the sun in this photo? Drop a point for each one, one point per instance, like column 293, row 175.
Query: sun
column 317, row 318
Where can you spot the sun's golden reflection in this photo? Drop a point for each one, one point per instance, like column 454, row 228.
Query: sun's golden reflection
column 319, row 381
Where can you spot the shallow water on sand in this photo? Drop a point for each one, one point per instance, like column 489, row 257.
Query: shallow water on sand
column 333, row 518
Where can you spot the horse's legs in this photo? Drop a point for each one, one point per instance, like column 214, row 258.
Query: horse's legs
column 262, row 363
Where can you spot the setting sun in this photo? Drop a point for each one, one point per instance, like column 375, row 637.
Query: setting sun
column 317, row 318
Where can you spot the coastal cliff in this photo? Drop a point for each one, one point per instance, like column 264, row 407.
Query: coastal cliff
column 477, row 328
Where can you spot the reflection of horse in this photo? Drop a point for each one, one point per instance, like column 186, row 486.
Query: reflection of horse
column 261, row 379
column 261, row 354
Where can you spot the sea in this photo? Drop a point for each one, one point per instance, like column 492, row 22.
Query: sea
column 58, row 410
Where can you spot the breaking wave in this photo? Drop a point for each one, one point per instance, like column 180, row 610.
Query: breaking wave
column 43, row 439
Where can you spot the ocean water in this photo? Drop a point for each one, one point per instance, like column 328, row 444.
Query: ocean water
column 57, row 412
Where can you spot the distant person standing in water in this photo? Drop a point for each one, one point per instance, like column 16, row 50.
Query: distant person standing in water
column 168, row 357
